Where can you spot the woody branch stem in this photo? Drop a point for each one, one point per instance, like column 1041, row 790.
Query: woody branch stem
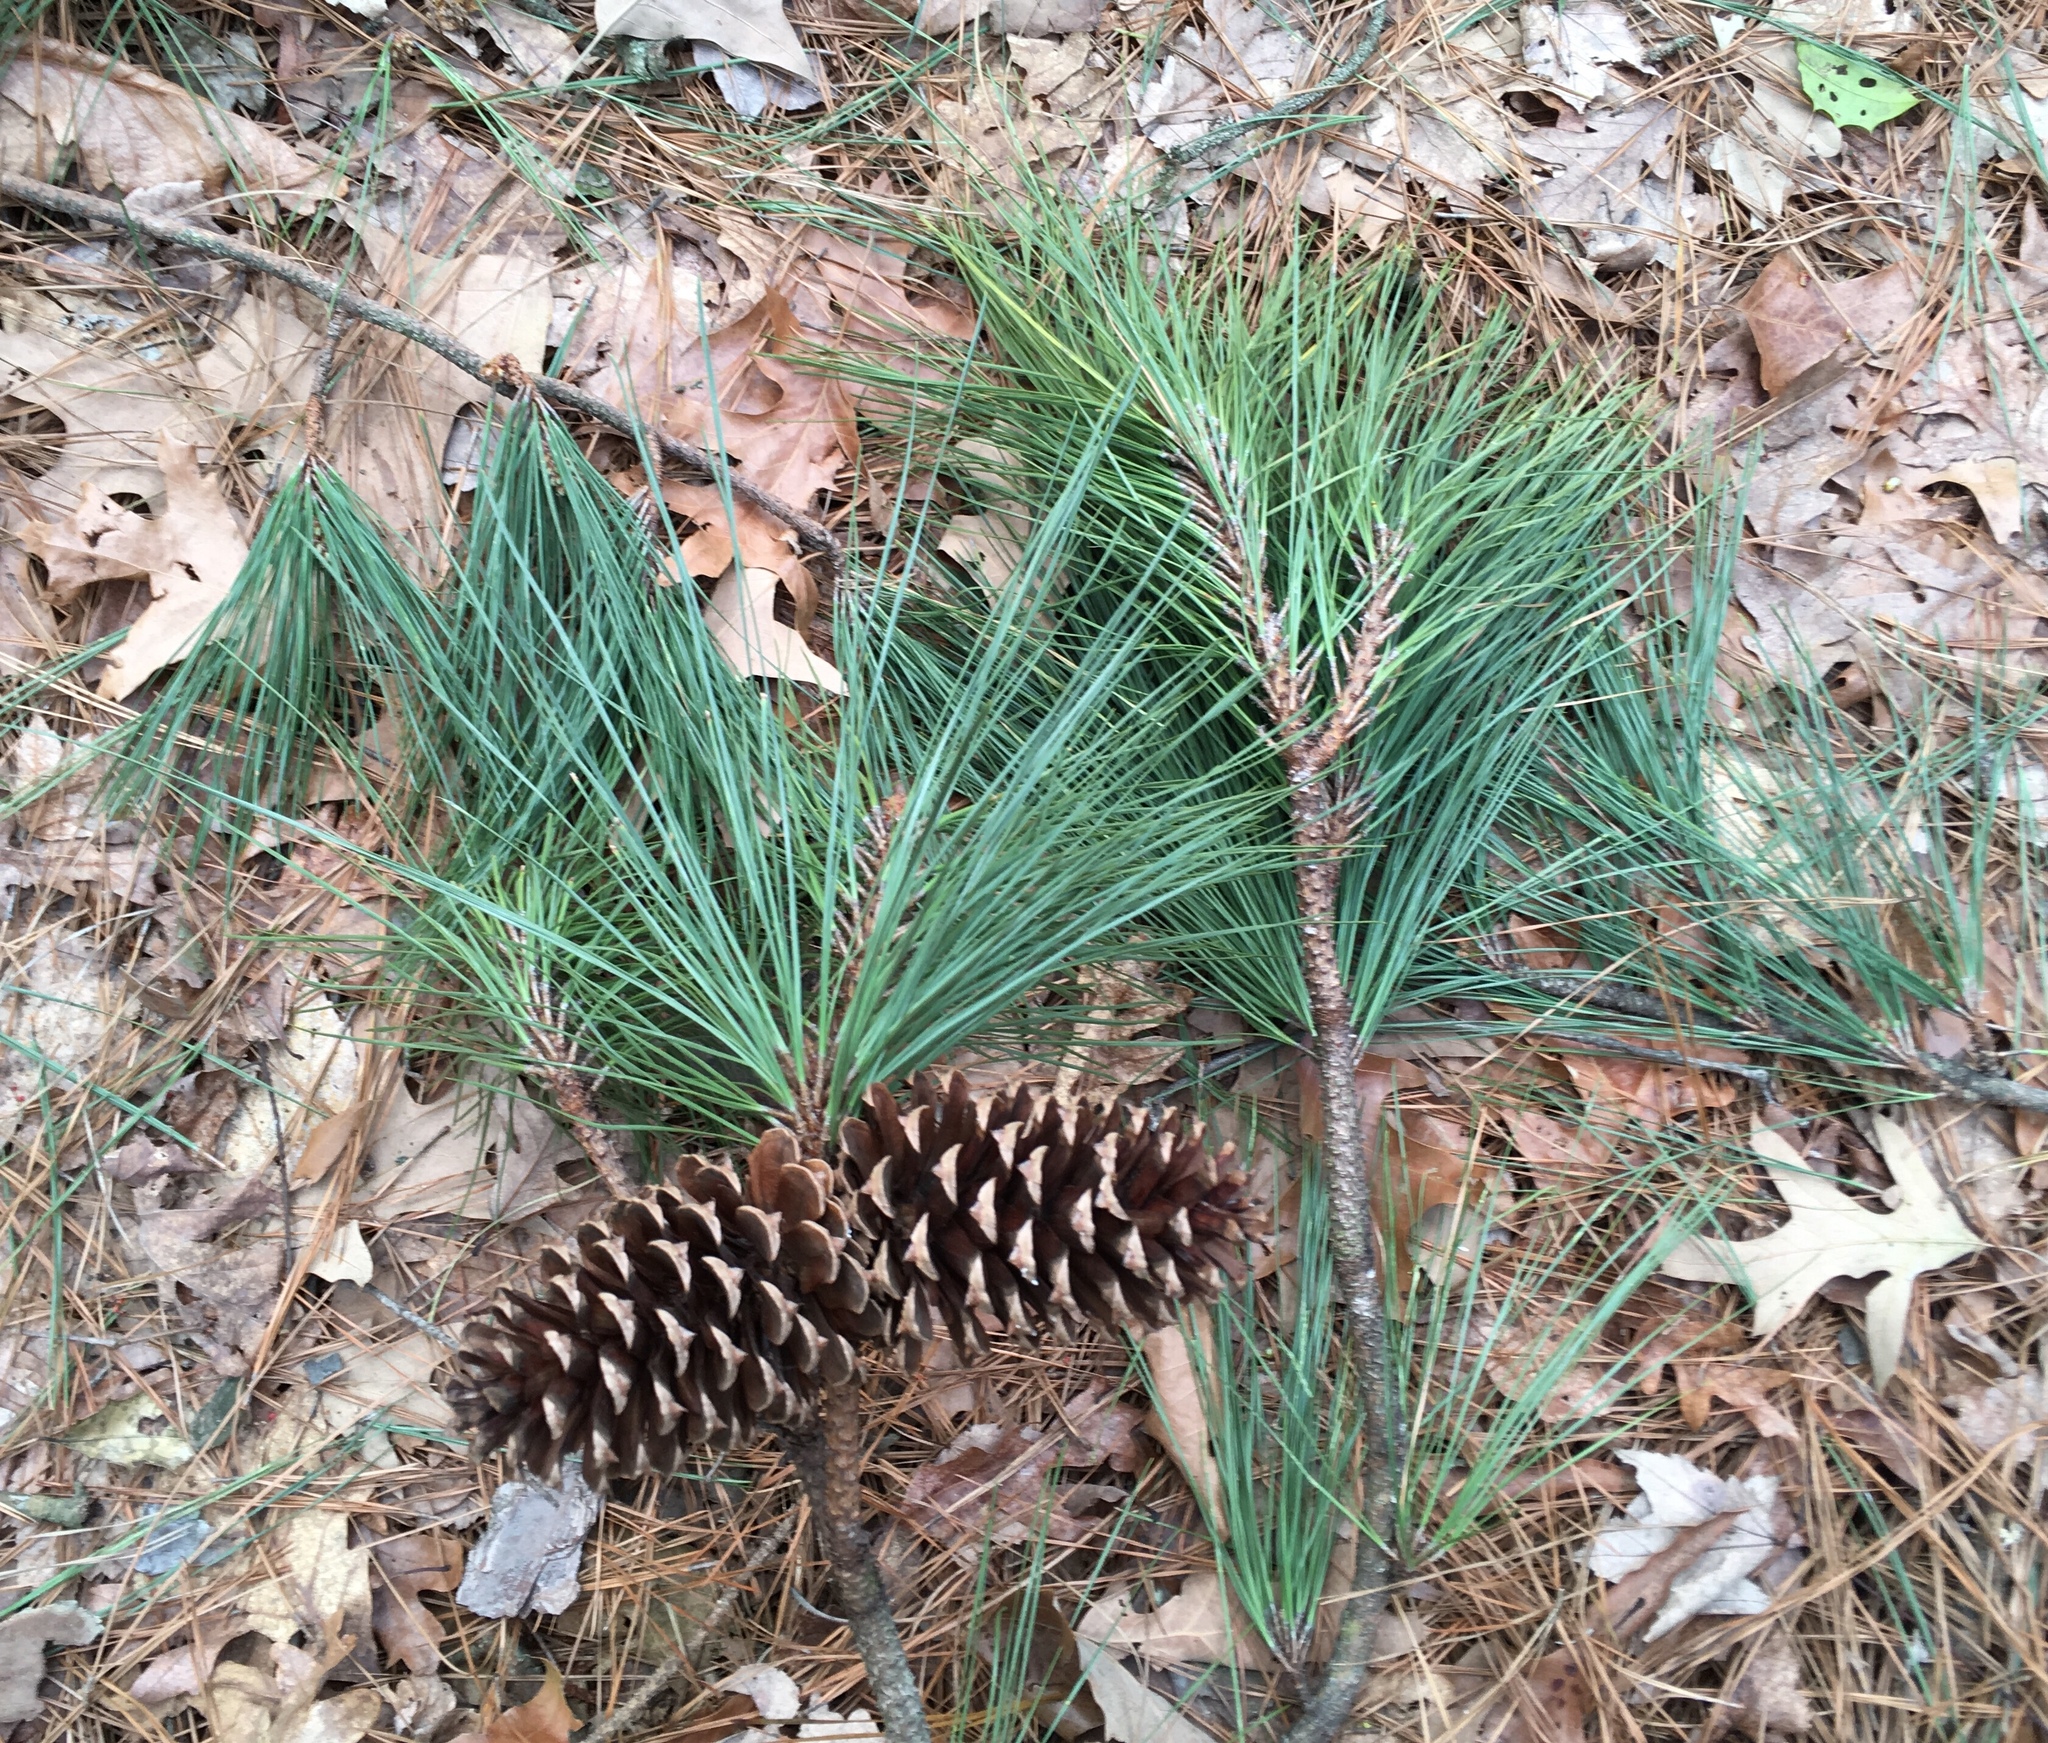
column 498, row 374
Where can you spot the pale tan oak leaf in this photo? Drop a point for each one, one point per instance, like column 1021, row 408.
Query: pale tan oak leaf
column 1830, row 1235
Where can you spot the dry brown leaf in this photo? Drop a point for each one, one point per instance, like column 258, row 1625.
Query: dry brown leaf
column 1652, row 1094
column 1195, row 1626
column 1132, row 1711
column 1735, row 1383
column 2005, row 1416
column 479, row 1151
column 1800, row 319
column 134, row 130
column 544, row 1719
column 181, row 1673
column 191, row 553
column 319, row 1581
column 741, row 617
column 401, row 1568
column 1182, row 1418
column 1551, row 1701
column 1768, row 1699
column 994, row 1484
column 23, row 1638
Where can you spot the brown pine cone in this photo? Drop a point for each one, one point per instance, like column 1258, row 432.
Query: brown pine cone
column 1036, row 1212
column 698, row 1314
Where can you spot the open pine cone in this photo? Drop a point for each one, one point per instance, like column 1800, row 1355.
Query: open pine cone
column 698, row 1314
column 707, row 1311
column 1038, row 1212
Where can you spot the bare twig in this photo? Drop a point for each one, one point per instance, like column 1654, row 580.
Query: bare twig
column 1327, row 811
column 1958, row 1079
column 558, row 1063
column 323, row 384
column 813, row 534
column 829, row 1461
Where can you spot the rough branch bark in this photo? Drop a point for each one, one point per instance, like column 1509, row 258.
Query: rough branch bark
column 1327, row 808
column 500, row 375
column 829, row 1461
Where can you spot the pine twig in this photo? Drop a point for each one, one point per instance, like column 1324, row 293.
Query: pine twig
column 828, row 1460
column 557, row 1062
column 1327, row 812
column 500, row 374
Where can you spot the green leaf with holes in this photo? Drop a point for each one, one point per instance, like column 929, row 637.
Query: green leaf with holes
column 1850, row 90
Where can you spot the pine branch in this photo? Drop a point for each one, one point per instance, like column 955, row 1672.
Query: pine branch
column 1326, row 820
column 501, row 374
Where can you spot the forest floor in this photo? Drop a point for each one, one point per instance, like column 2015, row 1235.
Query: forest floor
column 238, row 1231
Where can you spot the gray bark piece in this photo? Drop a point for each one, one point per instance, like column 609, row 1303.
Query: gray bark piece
column 529, row 1553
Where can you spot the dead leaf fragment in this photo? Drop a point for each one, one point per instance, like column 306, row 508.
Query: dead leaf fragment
column 23, row 1638
column 1799, row 319
column 2004, row 1416
column 134, row 1431
column 132, row 129
column 1183, row 1417
column 544, row 1719
column 1831, row 1235
column 741, row 616
column 191, row 554
column 1698, row 1535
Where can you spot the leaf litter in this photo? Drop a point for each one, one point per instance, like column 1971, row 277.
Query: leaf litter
column 1708, row 201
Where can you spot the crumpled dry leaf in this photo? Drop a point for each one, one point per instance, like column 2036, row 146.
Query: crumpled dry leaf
column 23, row 1638
column 1830, row 1235
column 529, row 1553
column 235, row 1283
column 191, row 554
column 132, row 129
column 60, row 1012
column 1132, row 1711
column 773, row 1692
column 478, row 1151
column 2006, row 1415
column 1193, row 1627
column 132, row 1431
column 281, row 1705
column 319, row 1581
column 741, row 617
column 748, row 30
column 1799, row 319
column 544, row 1719
column 1571, row 49
column 178, row 1675
column 401, row 1568
column 1678, row 1510
column 1768, row 1699
column 993, row 1483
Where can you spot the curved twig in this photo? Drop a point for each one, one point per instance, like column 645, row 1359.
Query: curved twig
column 813, row 534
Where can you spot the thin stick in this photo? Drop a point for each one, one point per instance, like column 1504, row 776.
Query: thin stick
column 830, row 1463
column 557, row 1062
column 1327, row 811
column 1954, row 1077
column 501, row 374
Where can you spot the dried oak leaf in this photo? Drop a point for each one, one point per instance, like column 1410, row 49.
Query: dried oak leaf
column 1689, row 1544
column 1830, row 1235
column 1800, row 319
column 400, row 1569
column 132, row 129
